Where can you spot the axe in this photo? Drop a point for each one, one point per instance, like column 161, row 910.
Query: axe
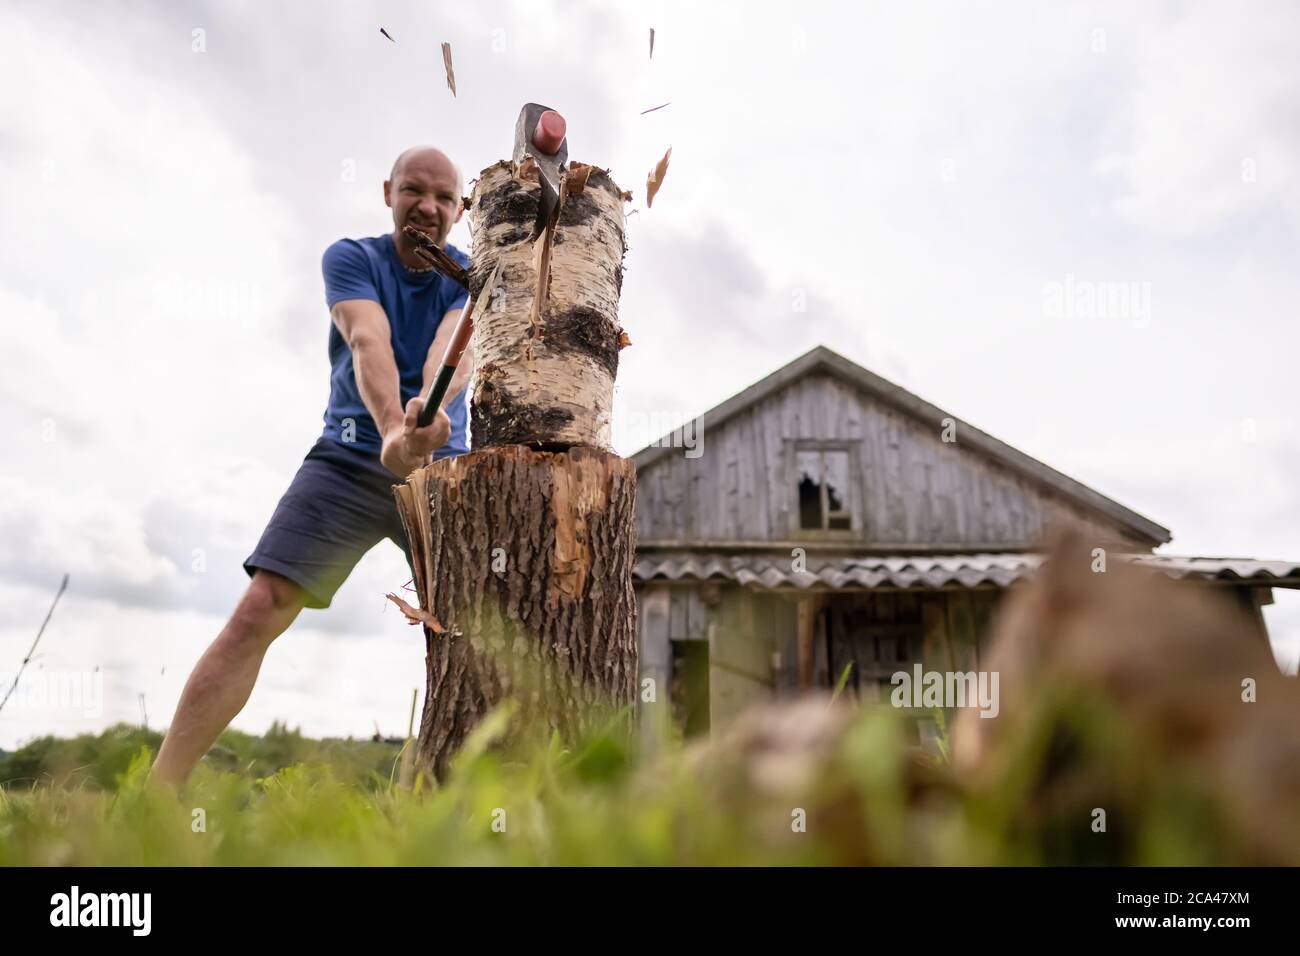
column 540, row 137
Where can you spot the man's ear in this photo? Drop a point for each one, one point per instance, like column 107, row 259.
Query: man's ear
column 388, row 193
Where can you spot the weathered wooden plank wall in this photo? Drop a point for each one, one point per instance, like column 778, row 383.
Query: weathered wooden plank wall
column 912, row 488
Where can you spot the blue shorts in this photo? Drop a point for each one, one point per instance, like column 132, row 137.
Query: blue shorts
column 338, row 507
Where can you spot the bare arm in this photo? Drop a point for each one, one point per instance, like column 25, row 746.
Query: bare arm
column 364, row 327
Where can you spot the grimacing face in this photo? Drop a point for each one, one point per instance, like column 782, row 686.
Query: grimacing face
column 424, row 192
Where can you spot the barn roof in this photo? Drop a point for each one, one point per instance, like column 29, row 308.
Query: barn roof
column 930, row 571
column 824, row 360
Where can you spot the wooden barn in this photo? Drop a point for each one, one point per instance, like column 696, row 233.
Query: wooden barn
column 824, row 516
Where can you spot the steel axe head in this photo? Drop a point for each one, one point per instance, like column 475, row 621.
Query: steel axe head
column 540, row 134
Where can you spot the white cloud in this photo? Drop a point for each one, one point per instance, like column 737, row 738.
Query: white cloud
column 1211, row 133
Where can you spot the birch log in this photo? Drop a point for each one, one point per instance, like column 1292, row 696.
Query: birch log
column 546, row 353
column 523, row 549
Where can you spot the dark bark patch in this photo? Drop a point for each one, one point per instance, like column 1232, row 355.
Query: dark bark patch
column 519, row 234
column 498, row 418
column 511, row 203
column 578, row 209
column 585, row 330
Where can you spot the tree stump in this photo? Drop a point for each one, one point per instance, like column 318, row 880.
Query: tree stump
column 523, row 549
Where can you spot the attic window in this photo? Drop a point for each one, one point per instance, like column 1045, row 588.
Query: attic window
column 823, row 484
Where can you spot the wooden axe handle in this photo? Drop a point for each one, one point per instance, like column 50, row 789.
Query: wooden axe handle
column 456, row 347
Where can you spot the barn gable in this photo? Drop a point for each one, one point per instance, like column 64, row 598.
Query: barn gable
column 825, row 451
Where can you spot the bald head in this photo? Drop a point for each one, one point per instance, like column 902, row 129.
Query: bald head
column 424, row 191
column 428, row 158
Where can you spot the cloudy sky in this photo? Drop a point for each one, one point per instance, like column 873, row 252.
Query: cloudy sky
column 927, row 178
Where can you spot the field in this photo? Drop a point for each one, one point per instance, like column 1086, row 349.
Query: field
column 808, row 783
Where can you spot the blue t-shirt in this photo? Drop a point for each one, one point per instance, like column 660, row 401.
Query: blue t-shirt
column 415, row 303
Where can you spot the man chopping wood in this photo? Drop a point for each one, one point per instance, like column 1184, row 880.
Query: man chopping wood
column 393, row 317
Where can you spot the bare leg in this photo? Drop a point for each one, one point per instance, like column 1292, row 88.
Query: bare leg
column 223, row 678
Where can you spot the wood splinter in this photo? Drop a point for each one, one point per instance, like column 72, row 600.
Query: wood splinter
column 432, row 253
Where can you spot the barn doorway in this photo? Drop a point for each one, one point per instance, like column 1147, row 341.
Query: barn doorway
column 873, row 635
column 690, row 687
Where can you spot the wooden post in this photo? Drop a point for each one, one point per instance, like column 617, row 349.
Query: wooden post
column 806, row 618
column 961, row 631
column 656, row 664
column 523, row 549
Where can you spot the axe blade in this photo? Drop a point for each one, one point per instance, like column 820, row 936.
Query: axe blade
column 549, row 166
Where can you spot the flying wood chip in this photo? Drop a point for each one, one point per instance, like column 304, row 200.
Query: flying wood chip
column 451, row 74
column 653, row 108
column 656, row 179
column 385, row 33
column 652, row 43
column 415, row 615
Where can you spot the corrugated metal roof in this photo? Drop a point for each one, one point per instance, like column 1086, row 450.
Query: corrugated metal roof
column 928, row 571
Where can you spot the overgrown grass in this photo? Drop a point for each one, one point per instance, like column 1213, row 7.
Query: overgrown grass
column 864, row 793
